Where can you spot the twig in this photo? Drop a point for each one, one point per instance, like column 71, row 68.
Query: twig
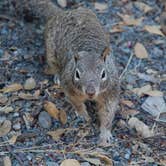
column 127, row 65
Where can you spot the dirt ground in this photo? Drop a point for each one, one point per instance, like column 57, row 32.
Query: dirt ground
column 31, row 136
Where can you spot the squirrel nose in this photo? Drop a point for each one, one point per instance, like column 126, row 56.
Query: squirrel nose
column 90, row 91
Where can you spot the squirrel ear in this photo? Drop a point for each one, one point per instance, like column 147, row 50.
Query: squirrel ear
column 105, row 53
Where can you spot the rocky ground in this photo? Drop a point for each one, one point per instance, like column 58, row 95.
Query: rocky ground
column 37, row 124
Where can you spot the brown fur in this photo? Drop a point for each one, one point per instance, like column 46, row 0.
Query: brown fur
column 75, row 39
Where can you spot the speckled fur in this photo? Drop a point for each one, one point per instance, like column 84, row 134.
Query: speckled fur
column 66, row 34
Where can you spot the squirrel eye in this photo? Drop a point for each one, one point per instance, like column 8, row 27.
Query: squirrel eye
column 77, row 75
column 103, row 75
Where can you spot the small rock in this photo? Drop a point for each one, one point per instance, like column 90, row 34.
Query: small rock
column 3, row 99
column 62, row 3
column 45, row 120
column 85, row 164
column 4, row 31
column 128, row 154
column 1, row 52
column 49, row 163
column 17, row 126
column 30, row 84
column 2, row 119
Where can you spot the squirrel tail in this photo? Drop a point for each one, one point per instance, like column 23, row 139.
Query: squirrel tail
column 35, row 8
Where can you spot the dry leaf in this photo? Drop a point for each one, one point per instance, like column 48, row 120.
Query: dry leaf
column 62, row 3
column 51, row 109
column 127, row 102
column 130, row 21
column 142, row 6
column 154, row 93
column 7, row 161
column 153, row 29
column 13, row 139
column 100, row 6
column 116, row 29
column 142, row 90
column 6, row 109
column 70, row 162
column 140, row 51
column 63, row 117
column 12, row 88
column 27, row 96
column 5, row 128
column 56, row 135
column 106, row 159
column 140, row 127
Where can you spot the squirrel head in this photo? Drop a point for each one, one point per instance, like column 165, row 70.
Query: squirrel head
column 90, row 73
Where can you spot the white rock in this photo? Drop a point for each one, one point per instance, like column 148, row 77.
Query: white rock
column 30, row 84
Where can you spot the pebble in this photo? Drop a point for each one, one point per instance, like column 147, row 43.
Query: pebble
column 85, row 164
column 17, row 126
column 45, row 120
column 2, row 119
column 62, row 3
column 4, row 31
column 128, row 154
column 30, row 84
column 49, row 163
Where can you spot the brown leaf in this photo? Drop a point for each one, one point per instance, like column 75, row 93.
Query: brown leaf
column 51, row 109
column 116, row 29
column 154, row 93
column 140, row 51
column 13, row 139
column 6, row 109
column 144, row 7
column 127, row 103
column 56, row 135
column 130, row 21
column 142, row 90
column 106, row 159
column 12, row 88
column 27, row 96
column 70, row 162
column 5, row 128
column 154, row 29
column 63, row 117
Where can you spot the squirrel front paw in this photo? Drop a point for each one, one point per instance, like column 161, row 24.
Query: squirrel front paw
column 105, row 138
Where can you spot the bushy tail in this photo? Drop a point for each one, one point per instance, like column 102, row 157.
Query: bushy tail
column 35, row 8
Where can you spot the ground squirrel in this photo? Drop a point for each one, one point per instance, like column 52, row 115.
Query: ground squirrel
column 78, row 50
column 163, row 17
